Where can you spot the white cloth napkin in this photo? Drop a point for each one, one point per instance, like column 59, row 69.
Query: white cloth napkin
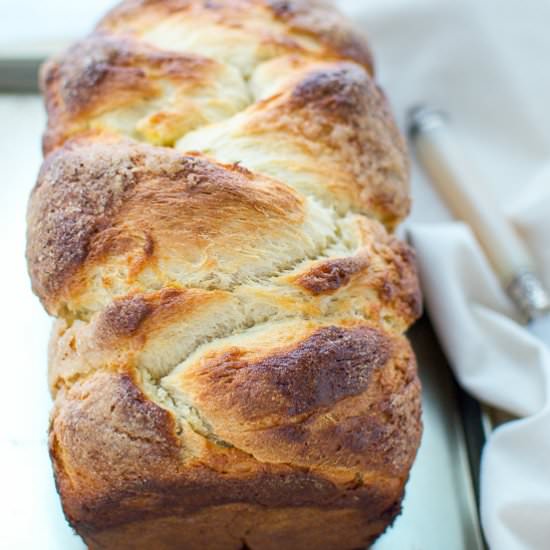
column 483, row 62
column 500, row 363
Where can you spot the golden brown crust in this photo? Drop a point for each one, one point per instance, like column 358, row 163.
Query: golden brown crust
column 211, row 228
column 68, row 206
column 97, row 202
column 321, row 21
column 315, row 19
column 330, row 275
column 331, row 364
column 319, row 401
column 313, row 119
column 130, row 460
column 340, row 108
column 135, row 315
column 103, row 73
column 238, row 526
column 400, row 283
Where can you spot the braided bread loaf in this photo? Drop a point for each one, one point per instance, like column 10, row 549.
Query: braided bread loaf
column 212, row 229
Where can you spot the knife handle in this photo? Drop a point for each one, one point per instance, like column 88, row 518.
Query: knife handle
column 463, row 191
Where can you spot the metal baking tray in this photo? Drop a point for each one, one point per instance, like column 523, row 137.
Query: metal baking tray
column 441, row 503
column 440, row 509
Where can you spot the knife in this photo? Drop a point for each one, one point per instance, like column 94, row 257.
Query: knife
column 455, row 178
